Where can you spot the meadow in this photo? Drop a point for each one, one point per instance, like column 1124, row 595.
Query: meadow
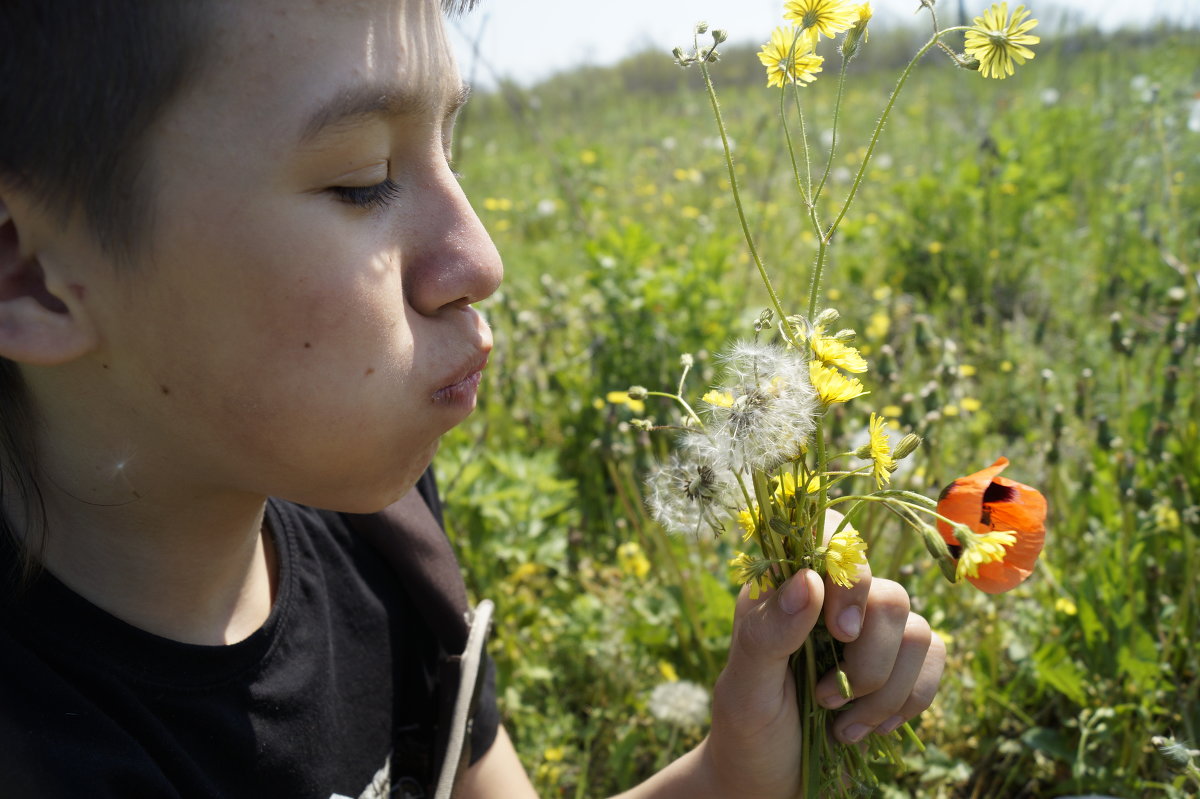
column 1023, row 270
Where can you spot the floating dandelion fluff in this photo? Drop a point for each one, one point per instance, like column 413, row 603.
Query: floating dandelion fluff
column 682, row 704
column 764, row 414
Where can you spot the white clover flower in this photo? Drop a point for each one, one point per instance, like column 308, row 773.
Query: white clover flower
column 768, row 411
column 681, row 704
column 688, row 495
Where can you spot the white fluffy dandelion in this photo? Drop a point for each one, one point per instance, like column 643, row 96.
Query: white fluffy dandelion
column 689, row 495
column 766, row 411
column 680, row 703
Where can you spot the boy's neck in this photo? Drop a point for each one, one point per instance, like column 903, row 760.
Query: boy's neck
column 201, row 574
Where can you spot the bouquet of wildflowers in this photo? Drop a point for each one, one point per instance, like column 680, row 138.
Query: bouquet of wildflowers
column 752, row 453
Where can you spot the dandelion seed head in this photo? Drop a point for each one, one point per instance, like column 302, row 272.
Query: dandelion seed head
column 682, row 704
column 770, row 412
column 688, row 494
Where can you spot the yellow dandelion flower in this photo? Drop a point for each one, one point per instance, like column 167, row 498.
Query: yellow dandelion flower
column 720, row 399
column 789, row 58
column 588, row 157
column 786, row 489
column 892, row 410
column 832, row 386
column 981, row 548
column 632, row 560
column 668, row 671
column 828, row 17
column 967, row 370
column 749, row 570
column 970, row 404
column 746, row 520
column 879, row 450
column 834, row 353
column 1065, row 606
column 997, row 40
column 845, row 552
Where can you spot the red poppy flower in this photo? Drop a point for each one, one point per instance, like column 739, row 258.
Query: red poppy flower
column 987, row 503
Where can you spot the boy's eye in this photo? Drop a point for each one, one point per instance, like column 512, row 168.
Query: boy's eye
column 376, row 196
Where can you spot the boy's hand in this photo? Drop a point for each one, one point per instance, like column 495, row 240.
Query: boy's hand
column 892, row 659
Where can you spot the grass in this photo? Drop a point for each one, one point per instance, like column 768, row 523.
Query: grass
column 1022, row 271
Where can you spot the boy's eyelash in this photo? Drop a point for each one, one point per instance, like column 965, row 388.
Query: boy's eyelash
column 375, row 196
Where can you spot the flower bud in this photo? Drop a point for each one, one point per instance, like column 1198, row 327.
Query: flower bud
column 1177, row 756
column 701, row 27
column 846, row 336
column 844, row 685
column 686, row 360
column 719, row 35
column 637, row 392
column 827, row 317
column 907, row 446
column 968, row 62
column 940, row 551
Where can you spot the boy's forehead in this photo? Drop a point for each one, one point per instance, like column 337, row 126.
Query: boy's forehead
column 308, row 60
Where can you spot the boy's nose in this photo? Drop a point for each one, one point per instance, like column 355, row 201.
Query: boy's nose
column 453, row 261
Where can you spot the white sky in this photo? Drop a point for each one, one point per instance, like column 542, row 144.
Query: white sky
column 530, row 39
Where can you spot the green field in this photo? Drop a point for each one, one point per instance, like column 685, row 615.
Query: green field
column 1021, row 267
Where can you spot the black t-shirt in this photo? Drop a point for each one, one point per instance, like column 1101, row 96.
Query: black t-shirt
column 334, row 696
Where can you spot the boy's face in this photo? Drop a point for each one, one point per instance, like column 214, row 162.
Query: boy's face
column 300, row 325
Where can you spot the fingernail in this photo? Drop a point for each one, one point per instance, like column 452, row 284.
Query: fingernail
column 856, row 732
column 850, row 620
column 833, row 701
column 889, row 725
column 794, row 596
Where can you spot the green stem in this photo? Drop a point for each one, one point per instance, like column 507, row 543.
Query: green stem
column 837, row 111
column 737, row 195
column 679, row 398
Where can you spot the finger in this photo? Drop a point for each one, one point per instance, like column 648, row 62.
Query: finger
column 844, row 606
column 766, row 632
column 868, row 660
column 885, row 708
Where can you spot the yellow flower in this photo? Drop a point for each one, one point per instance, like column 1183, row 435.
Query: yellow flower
column 755, row 572
column 880, row 451
column 845, row 552
column 668, row 671
column 970, row 404
column 1065, row 606
column 834, row 353
column 967, row 370
column 721, row 399
column 588, row 157
column 622, row 398
column 832, row 386
column 828, row 17
column 632, row 560
column 789, row 58
column 787, row 487
column 554, row 754
column 981, row 548
column 746, row 520
column 998, row 40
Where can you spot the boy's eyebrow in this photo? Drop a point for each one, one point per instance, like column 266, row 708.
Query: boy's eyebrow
column 376, row 100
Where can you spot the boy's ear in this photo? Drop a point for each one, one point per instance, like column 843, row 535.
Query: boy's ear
column 42, row 320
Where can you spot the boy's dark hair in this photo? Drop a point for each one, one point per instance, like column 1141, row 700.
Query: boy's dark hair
column 80, row 84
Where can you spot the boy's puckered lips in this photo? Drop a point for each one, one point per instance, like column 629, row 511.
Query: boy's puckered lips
column 462, row 388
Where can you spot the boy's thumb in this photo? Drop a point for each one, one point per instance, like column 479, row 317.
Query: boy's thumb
column 766, row 631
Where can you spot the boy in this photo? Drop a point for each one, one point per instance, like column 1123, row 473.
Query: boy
column 235, row 265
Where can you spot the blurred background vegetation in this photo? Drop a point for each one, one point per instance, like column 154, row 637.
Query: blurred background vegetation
column 1021, row 268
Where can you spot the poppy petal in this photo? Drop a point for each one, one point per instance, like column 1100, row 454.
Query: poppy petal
column 986, row 502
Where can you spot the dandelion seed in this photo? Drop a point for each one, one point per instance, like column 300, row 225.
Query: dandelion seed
column 771, row 413
column 844, row 554
column 998, row 40
column 827, row 17
column 832, row 386
column 789, row 58
column 681, row 704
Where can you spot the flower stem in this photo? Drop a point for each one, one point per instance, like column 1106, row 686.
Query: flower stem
column 737, row 195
